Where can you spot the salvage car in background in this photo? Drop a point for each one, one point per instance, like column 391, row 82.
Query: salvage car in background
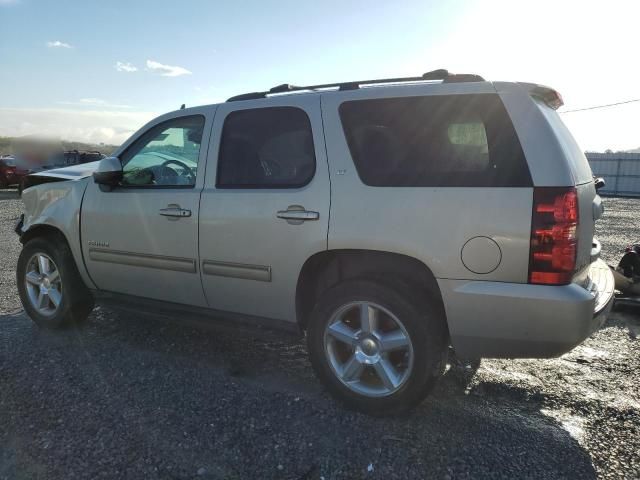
column 73, row 157
column 12, row 171
column 388, row 219
column 33, row 153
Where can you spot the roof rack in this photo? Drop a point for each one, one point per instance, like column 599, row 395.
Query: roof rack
column 440, row 74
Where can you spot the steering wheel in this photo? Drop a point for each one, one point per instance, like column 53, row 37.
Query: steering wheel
column 187, row 168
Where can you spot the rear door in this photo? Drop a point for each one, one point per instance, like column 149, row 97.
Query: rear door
column 141, row 238
column 265, row 204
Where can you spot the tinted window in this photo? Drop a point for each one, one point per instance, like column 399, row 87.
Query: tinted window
column 266, row 148
column 452, row 140
column 166, row 155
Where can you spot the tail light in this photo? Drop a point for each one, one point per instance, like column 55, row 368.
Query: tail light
column 554, row 228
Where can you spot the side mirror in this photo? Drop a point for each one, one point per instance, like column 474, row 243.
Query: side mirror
column 600, row 183
column 108, row 174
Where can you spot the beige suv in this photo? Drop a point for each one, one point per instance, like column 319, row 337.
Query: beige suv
column 388, row 219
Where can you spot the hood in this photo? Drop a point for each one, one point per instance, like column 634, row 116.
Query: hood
column 73, row 172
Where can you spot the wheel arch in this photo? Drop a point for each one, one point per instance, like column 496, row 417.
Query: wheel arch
column 55, row 232
column 325, row 269
column 43, row 230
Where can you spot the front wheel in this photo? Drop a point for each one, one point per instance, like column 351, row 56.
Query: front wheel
column 49, row 284
column 377, row 347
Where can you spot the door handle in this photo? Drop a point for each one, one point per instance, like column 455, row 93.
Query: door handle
column 298, row 215
column 175, row 211
column 295, row 215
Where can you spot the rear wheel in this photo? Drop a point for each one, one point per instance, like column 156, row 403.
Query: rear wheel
column 376, row 346
column 49, row 284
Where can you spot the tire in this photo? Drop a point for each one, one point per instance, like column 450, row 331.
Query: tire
column 74, row 300
column 416, row 367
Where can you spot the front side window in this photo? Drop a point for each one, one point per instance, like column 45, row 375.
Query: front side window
column 165, row 156
column 266, row 148
column 440, row 140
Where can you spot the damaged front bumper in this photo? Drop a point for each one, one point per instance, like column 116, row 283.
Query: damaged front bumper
column 19, row 225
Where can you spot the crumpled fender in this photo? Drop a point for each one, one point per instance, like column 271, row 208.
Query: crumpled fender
column 58, row 205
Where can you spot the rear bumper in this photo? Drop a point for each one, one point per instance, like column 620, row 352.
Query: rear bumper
column 513, row 320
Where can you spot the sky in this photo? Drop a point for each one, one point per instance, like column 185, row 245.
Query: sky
column 97, row 71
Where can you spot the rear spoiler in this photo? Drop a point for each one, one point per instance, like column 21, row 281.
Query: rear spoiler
column 548, row 95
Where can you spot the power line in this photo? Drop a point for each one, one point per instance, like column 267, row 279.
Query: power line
column 601, row 106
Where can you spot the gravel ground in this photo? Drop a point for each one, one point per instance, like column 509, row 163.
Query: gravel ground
column 135, row 397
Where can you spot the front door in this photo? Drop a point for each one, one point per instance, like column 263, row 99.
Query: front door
column 265, row 204
column 141, row 238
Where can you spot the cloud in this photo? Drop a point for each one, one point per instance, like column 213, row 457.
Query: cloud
column 94, row 126
column 125, row 67
column 167, row 70
column 94, row 102
column 8, row 2
column 57, row 44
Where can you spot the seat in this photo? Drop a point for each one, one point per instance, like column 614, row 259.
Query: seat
column 380, row 149
column 240, row 164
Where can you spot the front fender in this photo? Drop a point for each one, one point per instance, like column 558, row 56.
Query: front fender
column 58, row 205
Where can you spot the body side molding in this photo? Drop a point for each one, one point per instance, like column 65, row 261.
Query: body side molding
column 237, row 270
column 176, row 264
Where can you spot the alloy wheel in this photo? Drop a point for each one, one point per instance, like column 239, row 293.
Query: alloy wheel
column 43, row 284
column 368, row 349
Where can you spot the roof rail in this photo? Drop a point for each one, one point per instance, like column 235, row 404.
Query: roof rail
column 440, row 74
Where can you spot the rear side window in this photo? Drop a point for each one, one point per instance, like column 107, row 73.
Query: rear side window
column 577, row 160
column 266, row 148
column 444, row 140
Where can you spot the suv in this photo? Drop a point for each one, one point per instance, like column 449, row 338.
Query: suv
column 388, row 219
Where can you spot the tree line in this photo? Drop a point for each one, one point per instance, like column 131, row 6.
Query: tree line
column 7, row 146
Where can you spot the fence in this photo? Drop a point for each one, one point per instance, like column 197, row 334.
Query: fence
column 621, row 172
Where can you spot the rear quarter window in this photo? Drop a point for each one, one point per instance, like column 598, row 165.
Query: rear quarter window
column 578, row 162
column 444, row 140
